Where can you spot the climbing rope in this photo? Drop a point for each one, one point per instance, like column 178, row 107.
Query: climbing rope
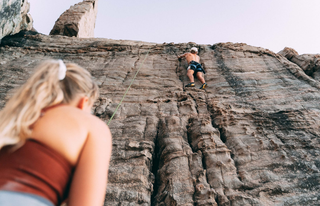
column 129, row 87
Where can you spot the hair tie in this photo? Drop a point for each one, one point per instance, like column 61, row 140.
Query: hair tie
column 62, row 70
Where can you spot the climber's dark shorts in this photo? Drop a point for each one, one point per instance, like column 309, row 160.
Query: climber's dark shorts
column 196, row 67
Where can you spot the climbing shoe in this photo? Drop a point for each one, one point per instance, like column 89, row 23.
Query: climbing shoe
column 203, row 86
column 190, row 84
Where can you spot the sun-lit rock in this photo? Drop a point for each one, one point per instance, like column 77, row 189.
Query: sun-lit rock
column 310, row 63
column 78, row 21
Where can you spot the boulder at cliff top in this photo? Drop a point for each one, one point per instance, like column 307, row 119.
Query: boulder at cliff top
column 14, row 17
column 310, row 63
column 288, row 53
column 78, row 21
column 251, row 138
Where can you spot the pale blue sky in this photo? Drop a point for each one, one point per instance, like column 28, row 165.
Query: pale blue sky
column 271, row 24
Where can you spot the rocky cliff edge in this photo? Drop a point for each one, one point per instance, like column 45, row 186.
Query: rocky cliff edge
column 251, row 138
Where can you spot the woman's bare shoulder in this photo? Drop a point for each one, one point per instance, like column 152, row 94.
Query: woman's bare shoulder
column 66, row 112
column 66, row 129
column 90, row 121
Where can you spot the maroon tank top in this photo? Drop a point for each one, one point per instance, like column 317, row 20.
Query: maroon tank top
column 37, row 169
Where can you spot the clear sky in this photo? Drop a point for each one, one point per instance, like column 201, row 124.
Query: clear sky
column 271, row 24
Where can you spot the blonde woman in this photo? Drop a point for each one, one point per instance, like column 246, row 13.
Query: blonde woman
column 51, row 147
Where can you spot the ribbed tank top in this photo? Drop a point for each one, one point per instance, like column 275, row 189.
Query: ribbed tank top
column 37, row 169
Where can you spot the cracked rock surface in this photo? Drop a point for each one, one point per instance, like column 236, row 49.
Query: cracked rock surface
column 14, row 17
column 309, row 63
column 251, row 138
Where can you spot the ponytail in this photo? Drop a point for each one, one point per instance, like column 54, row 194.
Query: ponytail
column 43, row 89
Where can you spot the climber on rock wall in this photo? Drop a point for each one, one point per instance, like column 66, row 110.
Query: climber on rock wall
column 194, row 68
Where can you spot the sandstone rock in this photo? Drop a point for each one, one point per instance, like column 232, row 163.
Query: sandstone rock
column 310, row 63
column 100, row 106
column 288, row 53
column 14, row 17
column 251, row 138
column 78, row 21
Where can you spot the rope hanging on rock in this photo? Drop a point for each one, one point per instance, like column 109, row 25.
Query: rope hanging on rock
column 128, row 87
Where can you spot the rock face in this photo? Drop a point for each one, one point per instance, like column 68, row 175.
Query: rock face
column 78, row 21
column 14, row 17
column 310, row 63
column 251, row 138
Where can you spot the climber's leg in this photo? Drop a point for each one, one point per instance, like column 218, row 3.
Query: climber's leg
column 190, row 75
column 200, row 77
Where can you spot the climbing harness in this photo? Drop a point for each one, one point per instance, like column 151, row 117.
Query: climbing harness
column 129, row 87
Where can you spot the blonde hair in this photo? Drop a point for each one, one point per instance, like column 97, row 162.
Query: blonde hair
column 43, row 89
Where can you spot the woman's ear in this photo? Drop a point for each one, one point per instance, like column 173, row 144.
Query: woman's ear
column 83, row 103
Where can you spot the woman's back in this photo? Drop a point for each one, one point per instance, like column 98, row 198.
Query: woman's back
column 84, row 140
column 50, row 115
column 63, row 128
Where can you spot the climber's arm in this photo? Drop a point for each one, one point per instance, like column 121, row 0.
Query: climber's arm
column 181, row 56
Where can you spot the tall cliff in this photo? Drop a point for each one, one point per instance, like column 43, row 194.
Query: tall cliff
column 251, row 138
